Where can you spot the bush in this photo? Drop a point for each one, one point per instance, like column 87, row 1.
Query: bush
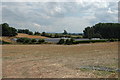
column 21, row 40
column 118, row 39
column 30, row 41
column 30, row 33
column 24, row 40
column 61, row 41
column 89, row 41
column 113, row 40
column 4, row 42
column 33, row 40
column 72, row 41
column 41, row 41
column 27, row 40
column 69, row 41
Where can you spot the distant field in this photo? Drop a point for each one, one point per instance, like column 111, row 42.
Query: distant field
column 59, row 61
column 30, row 36
column 7, row 39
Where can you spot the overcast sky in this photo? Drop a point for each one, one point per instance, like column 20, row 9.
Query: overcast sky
column 58, row 16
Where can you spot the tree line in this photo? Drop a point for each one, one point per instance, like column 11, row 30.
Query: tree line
column 25, row 31
column 100, row 30
column 10, row 31
column 103, row 30
column 7, row 30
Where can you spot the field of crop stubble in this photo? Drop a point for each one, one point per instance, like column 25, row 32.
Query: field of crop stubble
column 59, row 61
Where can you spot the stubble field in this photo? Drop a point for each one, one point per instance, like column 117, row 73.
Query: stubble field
column 59, row 61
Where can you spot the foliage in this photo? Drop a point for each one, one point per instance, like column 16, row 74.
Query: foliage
column 112, row 40
column 25, row 31
column 30, row 41
column 33, row 40
column 65, row 32
column 41, row 41
column 24, row 40
column 36, row 33
column 103, row 30
column 43, row 34
column 69, row 41
column 30, row 33
column 72, row 40
column 57, row 35
column 8, row 31
column 118, row 39
column 89, row 41
column 62, row 41
column 60, row 35
column 27, row 40
column 4, row 42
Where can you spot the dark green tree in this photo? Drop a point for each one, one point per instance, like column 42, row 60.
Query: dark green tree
column 65, row 32
column 41, row 41
column 57, row 35
column 33, row 40
column 8, row 31
column 43, row 34
column 36, row 33
column 72, row 41
column 30, row 33
column 103, row 30
column 25, row 31
column 61, row 41
column 67, row 42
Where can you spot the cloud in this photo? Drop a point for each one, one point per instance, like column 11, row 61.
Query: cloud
column 0, row 12
column 57, row 16
column 60, row 0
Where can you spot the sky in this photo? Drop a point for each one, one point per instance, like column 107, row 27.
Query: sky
column 56, row 16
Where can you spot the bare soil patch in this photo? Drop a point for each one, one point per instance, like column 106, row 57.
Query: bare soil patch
column 59, row 61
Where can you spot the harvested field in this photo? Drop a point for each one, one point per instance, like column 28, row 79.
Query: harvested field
column 30, row 36
column 7, row 39
column 59, row 61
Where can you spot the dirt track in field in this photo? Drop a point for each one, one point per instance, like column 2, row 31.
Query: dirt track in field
column 58, row 61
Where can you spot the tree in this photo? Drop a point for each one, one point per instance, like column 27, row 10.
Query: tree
column 30, row 33
column 69, row 41
column 97, row 35
column 33, row 40
column 56, row 35
column 103, row 30
column 88, row 32
column 26, row 40
column 43, row 34
column 36, row 33
column 65, row 32
column 25, row 31
column 8, row 31
column 41, row 41
column 61, row 41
